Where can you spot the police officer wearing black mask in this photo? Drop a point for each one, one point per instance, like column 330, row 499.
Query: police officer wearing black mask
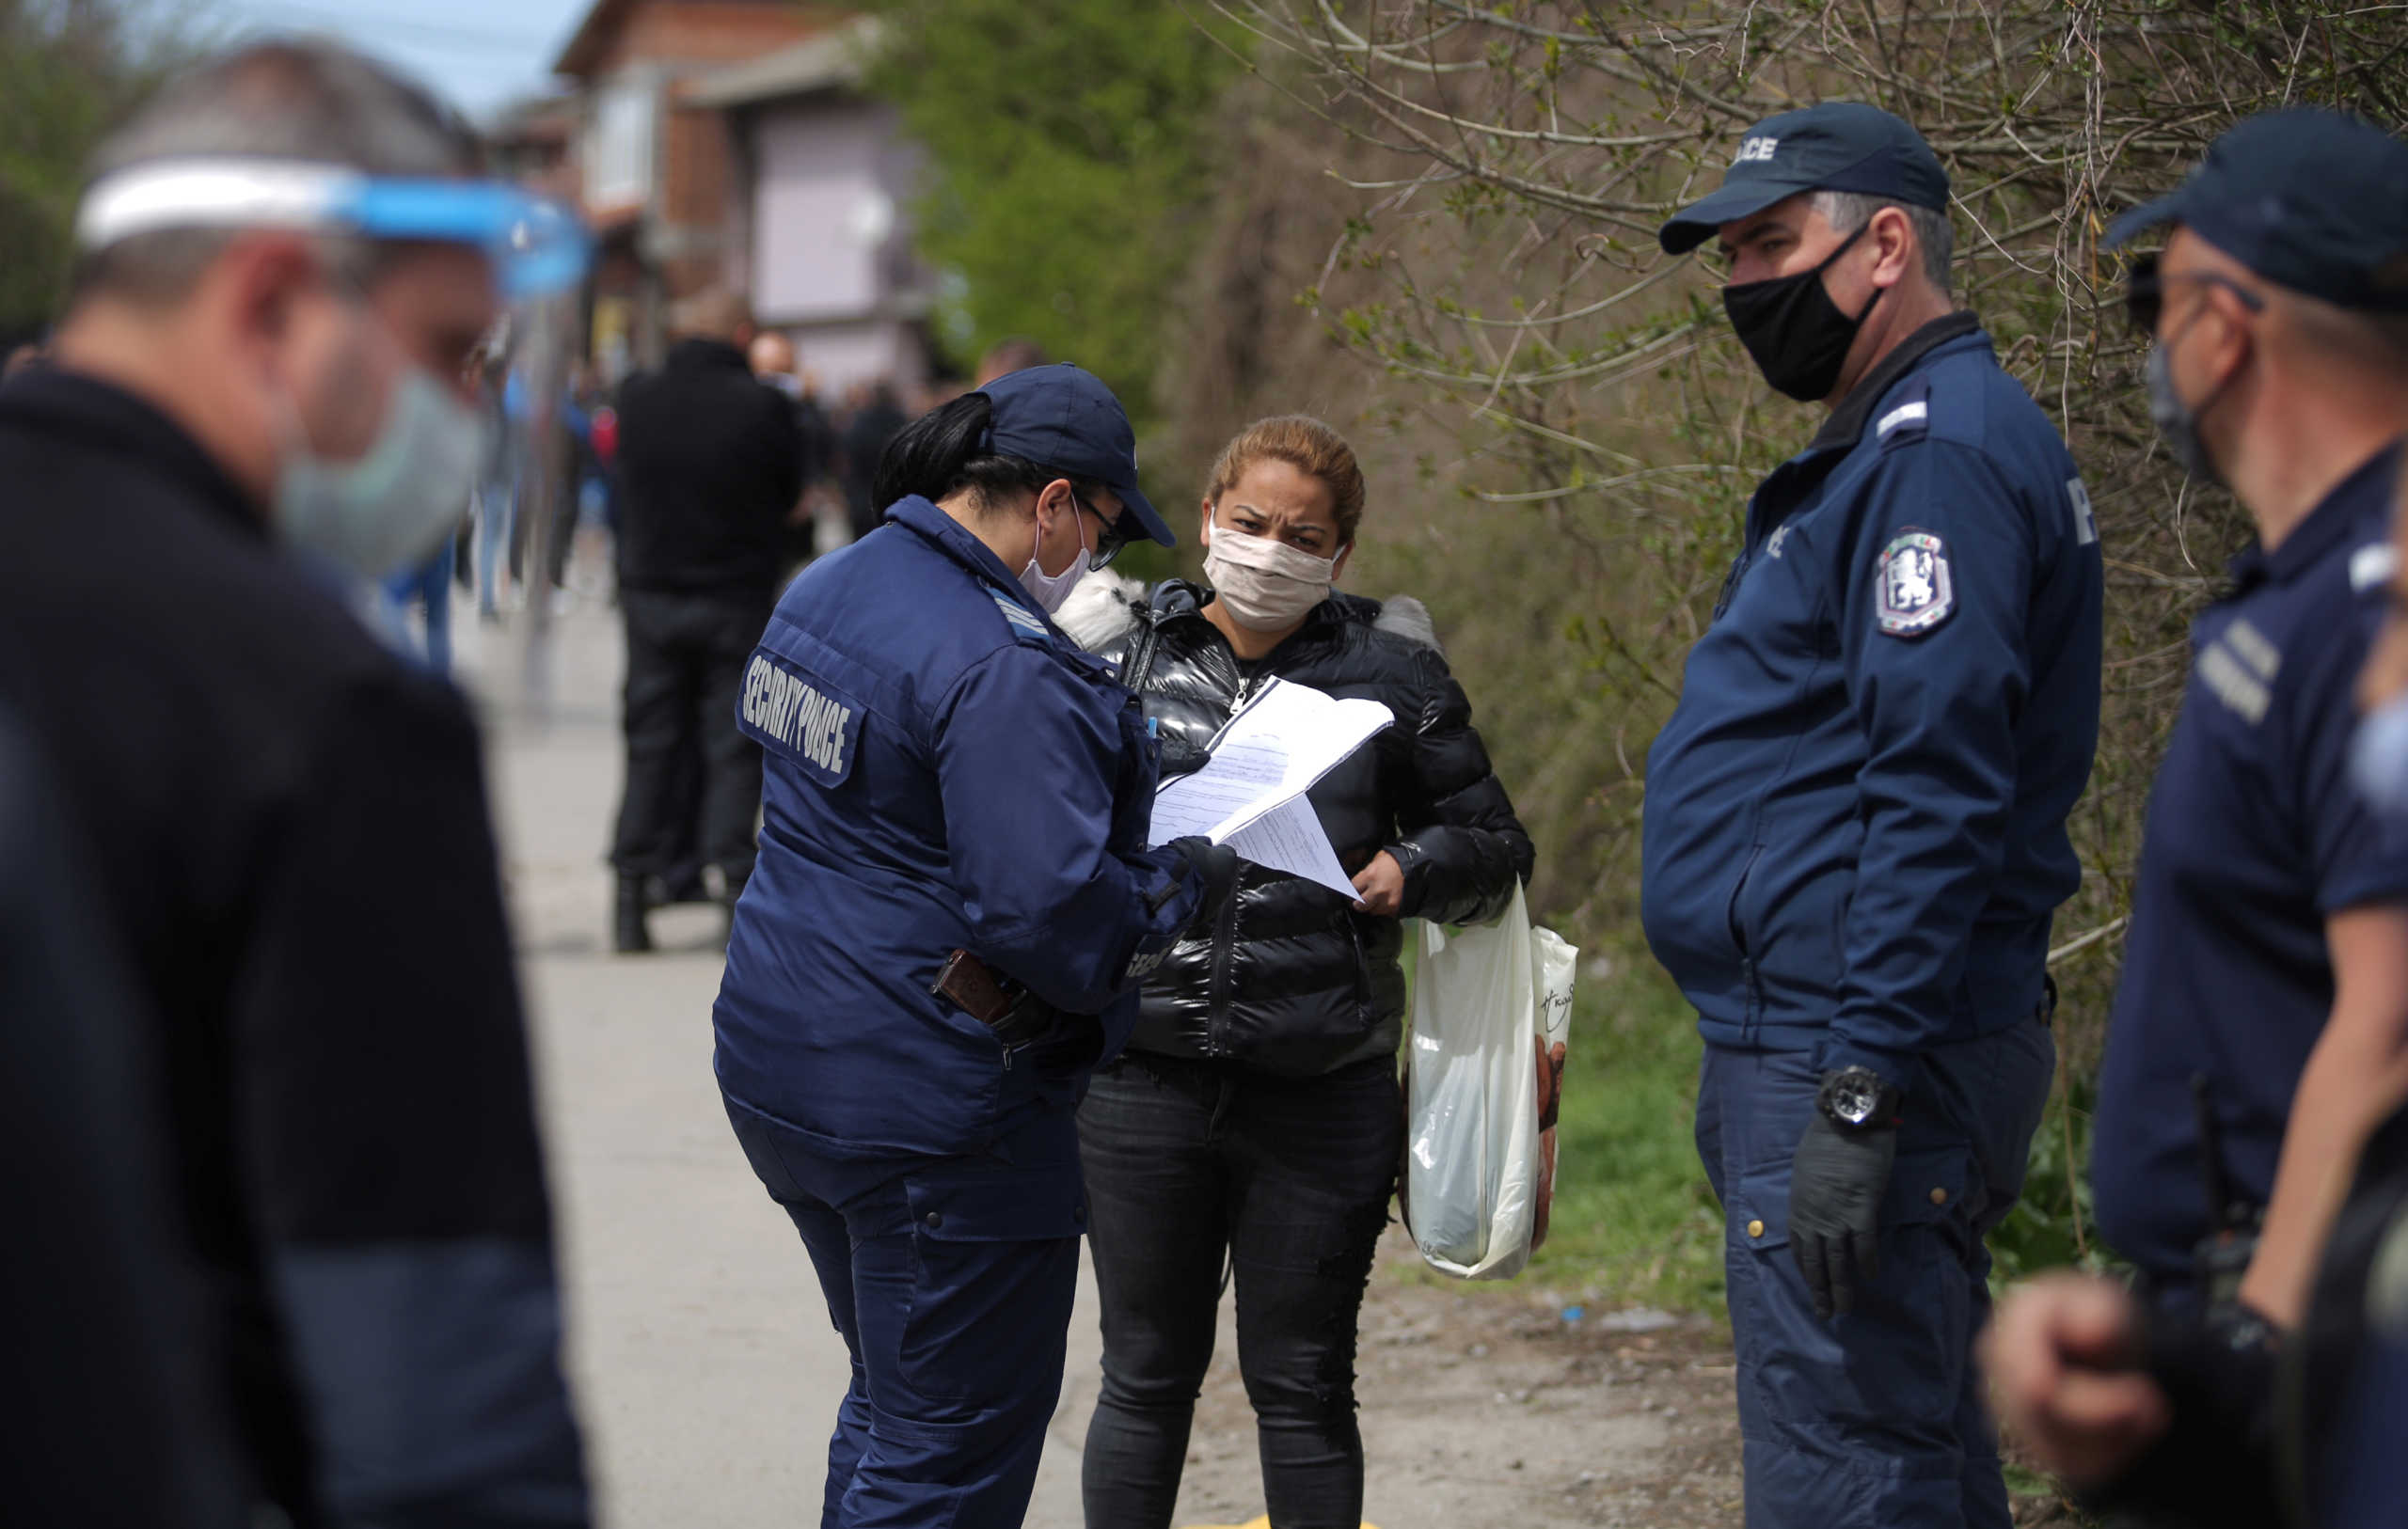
column 1855, row 828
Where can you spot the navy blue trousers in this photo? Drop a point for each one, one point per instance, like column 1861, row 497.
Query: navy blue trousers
column 1874, row 1420
column 951, row 1280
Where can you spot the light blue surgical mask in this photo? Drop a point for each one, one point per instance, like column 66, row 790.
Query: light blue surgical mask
column 390, row 508
column 2379, row 759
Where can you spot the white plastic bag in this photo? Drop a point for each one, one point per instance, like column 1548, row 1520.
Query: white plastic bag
column 1481, row 1012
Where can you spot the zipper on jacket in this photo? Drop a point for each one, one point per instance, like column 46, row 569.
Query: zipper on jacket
column 1739, row 940
column 1224, row 928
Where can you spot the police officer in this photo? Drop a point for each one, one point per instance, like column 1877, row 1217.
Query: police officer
column 254, row 406
column 2268, row 956
column 951, row 908
column 1855, row 827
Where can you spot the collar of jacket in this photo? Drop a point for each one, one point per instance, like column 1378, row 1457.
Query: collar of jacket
column 2326, row 527
column 956, row 541
column 135, row 437
column 1845, row 426
column 692, row 354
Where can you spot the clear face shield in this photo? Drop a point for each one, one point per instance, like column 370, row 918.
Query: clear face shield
column 501, row 455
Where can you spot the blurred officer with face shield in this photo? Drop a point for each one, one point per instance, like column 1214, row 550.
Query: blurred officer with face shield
column 256, row 403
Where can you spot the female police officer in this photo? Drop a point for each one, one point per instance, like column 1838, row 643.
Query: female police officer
column 953, row 905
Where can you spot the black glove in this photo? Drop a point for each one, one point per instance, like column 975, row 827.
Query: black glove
column 1175, row 757
column 1216, row 870
column 1836, row 1183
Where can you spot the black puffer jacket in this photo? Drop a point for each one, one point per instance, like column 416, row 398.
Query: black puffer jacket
column 1290, row 978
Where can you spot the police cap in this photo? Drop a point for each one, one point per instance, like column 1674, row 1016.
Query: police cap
column 1063, row 417
column 2310, row 199
column 1836, row 146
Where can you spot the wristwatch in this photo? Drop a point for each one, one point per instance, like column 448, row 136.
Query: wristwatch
column 1857, row 1099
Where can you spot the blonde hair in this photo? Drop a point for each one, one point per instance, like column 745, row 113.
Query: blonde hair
column 1307, row 445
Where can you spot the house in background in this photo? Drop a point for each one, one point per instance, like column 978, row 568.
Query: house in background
column 726, row 141
column 818, row 223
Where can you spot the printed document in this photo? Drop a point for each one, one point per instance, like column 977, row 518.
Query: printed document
column 1250, row 794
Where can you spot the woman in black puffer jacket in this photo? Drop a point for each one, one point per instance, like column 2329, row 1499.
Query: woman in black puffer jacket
column 1255, row 1116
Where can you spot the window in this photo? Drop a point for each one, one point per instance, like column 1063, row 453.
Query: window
column 619, row 146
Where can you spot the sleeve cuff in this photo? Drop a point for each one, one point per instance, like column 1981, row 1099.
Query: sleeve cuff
column 1895, row 1068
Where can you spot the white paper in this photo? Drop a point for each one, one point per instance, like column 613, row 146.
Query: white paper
column 1289, row 838
column 1250, row 794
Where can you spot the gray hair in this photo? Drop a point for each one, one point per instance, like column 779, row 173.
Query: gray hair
column 309, row 101
column 1848, row 211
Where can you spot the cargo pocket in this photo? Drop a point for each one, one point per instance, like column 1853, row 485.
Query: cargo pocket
column 996, row 1258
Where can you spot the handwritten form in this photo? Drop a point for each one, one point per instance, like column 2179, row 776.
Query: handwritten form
column 1250, row 794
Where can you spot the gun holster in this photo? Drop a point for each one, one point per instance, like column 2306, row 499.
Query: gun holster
column 1016, row 1014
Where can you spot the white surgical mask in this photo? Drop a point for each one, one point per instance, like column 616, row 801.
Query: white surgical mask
column 1264, row 584
column 1052, row 591
column 388, row 509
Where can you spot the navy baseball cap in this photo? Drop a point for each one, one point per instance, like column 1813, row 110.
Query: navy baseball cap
column 1061, row 417
column 1838, row 146
column 2310, row 199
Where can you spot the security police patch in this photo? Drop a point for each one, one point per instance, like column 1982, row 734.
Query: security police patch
column 1916, row 591
column 800, row 717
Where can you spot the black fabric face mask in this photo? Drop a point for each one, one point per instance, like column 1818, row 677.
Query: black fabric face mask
column 1798, row 335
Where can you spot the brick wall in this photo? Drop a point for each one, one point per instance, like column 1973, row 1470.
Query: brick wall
column 711, row 31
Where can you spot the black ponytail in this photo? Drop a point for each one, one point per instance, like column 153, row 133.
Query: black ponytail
column 943, row 453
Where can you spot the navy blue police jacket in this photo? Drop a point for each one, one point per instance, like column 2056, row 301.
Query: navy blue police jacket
column 942, row 769
column 1855, row 823
column 2256, row 837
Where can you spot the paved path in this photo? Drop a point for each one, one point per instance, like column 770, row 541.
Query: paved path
column 706, row 1369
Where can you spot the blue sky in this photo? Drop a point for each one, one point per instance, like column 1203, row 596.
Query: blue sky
column 479, row 52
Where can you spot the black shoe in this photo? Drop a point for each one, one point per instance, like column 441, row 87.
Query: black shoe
column 629, row 937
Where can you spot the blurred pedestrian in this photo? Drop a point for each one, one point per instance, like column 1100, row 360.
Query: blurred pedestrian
column 773, row 361
column 953, row 907
column 1855, row 835
column 1017, row 353
column 1253, row 1123
column 256, row 406
column 426, row 587
column 709, row 465
column 876, row 419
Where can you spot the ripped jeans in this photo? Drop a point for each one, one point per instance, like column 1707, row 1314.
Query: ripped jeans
column 1190, row 1163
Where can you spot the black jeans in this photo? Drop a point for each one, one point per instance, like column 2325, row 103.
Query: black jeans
column 693, row 785
column 1188, row 1163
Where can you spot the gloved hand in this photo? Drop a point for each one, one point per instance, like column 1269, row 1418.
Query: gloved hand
column 1216, row 868
column 1175, row 757
column 1836, row 1183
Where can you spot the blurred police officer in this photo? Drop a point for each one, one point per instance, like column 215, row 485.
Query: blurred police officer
column 952, row 911
column 2266, row 976
column 1855, row 828
column 2267, row 964
column 256, row 406
column 709, row 467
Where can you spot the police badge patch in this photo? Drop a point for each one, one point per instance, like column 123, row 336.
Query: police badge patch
column 1916, row 591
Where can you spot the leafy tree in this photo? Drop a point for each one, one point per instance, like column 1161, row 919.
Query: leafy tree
column 67, row 68
column 1587, row 429
column 1072, row 152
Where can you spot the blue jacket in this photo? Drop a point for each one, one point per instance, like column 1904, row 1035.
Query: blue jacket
column 942, row 769
column 1856, row 817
